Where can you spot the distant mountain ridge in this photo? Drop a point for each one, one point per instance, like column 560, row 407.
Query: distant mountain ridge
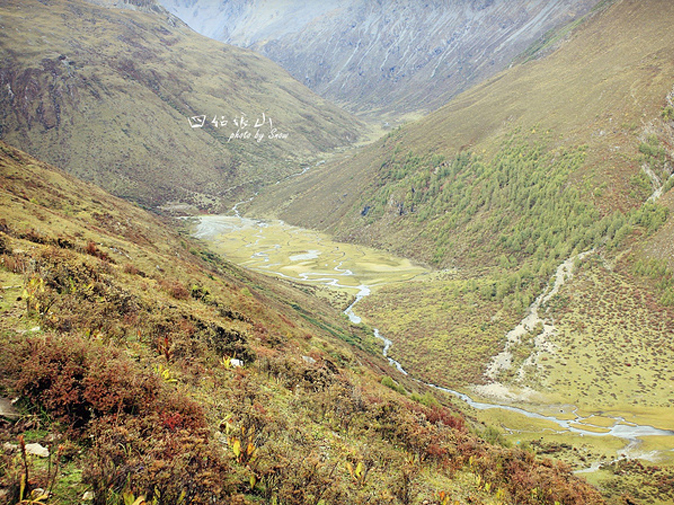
column 382, row 57
column 140, row 5
column 110, row 96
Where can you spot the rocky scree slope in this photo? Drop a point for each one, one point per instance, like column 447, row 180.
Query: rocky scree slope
column 388, row 58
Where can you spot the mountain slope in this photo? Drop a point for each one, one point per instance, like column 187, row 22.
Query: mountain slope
column 383, row 57
column 502, row 189
column 577, row 120
column 119, row 340
column 109, row 94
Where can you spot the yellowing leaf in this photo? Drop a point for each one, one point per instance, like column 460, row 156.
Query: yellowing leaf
column 250, row 449
column 236, row 447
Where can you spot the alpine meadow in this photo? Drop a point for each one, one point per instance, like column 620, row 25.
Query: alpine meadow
column 337, row 252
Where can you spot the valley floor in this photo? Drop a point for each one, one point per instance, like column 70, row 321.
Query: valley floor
column 581, row 382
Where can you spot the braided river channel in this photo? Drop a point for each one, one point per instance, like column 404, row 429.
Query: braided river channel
column 302, row 255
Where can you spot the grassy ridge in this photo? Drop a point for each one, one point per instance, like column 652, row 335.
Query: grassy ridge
column 442, row 329
column 618, row 338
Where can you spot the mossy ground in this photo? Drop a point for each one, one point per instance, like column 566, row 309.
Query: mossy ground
column 303, row 255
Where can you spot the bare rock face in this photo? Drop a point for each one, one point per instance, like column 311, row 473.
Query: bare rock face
column 372, row 57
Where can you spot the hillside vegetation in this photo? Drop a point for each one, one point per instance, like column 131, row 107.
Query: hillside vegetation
column 155, row 371
column 109, row 95
column 560, row 155
column 564, row 134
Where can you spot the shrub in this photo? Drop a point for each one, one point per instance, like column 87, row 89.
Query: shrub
column 4, row 244
column 175, row 289
column 225, row 342
column 76, row 381
column 92, row 250
column 133, row 270
column 183, row 467
column 148, row 439
column 390, row 383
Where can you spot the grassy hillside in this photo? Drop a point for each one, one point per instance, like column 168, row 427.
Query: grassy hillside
column 565, row 130
column 119, row 341
column 553, row 157
column 108, row 95
column 567, row 153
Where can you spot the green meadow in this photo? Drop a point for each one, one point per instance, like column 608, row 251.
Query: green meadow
column 298, row 254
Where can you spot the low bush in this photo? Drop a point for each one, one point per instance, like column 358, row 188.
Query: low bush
column 145, row 437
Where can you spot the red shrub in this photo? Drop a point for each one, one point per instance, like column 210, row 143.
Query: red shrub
column 92, row 250
column 176, row 466
column 133, row 270
column 175, row 289
column 76, row 380
column 442, row 415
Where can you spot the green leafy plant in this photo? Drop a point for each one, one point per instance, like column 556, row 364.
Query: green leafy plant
column 165, row 374
column 30, row 494
column 35, row 287
column 243, row 445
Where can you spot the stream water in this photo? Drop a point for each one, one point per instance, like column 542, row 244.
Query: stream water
column 307, row 256
column 620, row 429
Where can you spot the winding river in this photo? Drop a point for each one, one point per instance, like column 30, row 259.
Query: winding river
column 303, row 255
column 620, row 429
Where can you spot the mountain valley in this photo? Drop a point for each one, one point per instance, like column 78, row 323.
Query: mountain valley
column 384, row 60
column 475, row 307
column 149, row 110
column 555, row 157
